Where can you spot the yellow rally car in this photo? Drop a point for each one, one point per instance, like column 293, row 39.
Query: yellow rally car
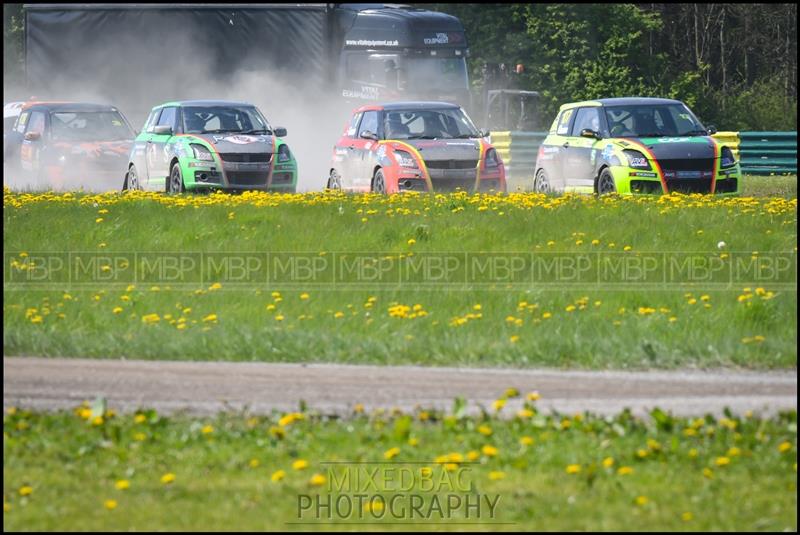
column 633, row 145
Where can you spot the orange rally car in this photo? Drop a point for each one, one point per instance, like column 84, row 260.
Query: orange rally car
column 414, row 146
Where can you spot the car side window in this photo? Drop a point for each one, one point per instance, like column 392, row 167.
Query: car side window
column 167, row 117
column 369, row 122
column 352, row 129
column 586, row 118
column 562, row 129
column 36, row 123
column 151, row 121
column 22, row 121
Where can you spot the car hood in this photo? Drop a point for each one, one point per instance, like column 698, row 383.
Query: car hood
column 450, row 149
column 680, row 148
column 238, row 143
column 96, row 150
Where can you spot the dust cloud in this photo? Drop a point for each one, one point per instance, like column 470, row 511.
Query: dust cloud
column 305, row 103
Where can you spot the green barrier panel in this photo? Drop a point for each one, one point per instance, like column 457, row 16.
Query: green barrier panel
column 768, row 153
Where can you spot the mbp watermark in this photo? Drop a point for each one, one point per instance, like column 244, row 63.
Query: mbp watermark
column 458, row 270
column 398, row 492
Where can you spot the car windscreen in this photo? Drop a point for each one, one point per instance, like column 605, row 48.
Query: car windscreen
column 429, row 124
column 224, row 119
column 663, row 120
column 89, row 126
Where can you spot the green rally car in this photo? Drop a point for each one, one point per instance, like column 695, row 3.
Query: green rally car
column 205, row 144
column 633, row 145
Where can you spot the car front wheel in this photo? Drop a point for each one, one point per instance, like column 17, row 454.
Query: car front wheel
column 605, row 183
column 379, row 183
column 541, row 184
column 176, row 180
column 132, row 180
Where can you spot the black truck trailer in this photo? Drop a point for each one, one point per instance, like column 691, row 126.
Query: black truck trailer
column 358, row 52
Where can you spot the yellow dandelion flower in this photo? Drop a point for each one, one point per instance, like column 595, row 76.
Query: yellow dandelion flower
column 624, row 470
column 168, row 478
column 300, row 464
column 489, row 451
column 573, row 468
column 526, row 441
column 391, row 453
column 785, row 446
column 317, row 480
column 687, row 516
column 278, row 475
column 641, row 501
column 494, row 475
column 533, row 396
column 110, row 504
column 122, row 484
column 485, row 430
column 722, row 461
column 25, row 490
column 608, row 462
column 207, row 429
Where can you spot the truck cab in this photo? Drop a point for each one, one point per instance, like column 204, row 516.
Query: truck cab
column 400, row 53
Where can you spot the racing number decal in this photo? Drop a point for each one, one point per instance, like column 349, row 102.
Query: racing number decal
column 646, row 151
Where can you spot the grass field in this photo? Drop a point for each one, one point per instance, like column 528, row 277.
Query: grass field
column 91, row 470
column 472, row 318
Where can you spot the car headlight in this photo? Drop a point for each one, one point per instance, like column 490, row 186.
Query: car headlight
column 491, row 158
column 636, row 159
column 404, row 159
column 201, row 153
column 726, row 158
column 284, row 155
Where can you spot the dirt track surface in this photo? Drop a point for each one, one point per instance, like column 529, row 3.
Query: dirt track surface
column 208, row 387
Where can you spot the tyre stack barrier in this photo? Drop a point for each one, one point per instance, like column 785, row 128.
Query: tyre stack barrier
column 729, row 139
column 518, row 151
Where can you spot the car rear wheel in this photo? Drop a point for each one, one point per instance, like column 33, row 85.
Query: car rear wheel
column 334, row 181
column 132, row 180
column 605, row 183
column 378, row 182
column 176, row 180
column 541, row 184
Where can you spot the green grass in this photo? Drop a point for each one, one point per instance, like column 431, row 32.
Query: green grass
column 770, row 186
column 223, row 467
column 573, row 324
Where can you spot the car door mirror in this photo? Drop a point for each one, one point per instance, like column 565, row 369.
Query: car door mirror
column 588, row 132
column 279, row 131
column 163, row 130
column 366, row 134
column 33, row 136
column 711, row 130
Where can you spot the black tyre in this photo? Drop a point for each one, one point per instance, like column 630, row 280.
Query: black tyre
column 335, row 180
column 132, row 180
column 175, row 184
column 378, row 182
column 605, row 183
column 541, row 183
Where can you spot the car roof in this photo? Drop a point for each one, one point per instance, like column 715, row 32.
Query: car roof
column 411, row 105
column 622, row 101
column 67, row 106
column 202, row 103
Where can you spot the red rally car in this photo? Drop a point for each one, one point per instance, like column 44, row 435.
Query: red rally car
column 414, row 146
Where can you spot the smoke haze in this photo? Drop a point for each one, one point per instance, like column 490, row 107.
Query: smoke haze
column 188, row 67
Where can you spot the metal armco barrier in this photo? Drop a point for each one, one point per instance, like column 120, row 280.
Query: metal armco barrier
column 768, row 153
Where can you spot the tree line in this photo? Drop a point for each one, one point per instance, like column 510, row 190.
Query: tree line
column 735, row 65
